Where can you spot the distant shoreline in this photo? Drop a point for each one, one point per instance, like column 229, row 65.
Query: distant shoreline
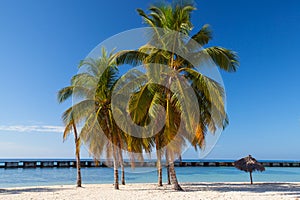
column 186, row 160
column 145, row 160
column 63, row 163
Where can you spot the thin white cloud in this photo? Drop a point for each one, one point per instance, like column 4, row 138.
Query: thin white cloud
column 35, row 128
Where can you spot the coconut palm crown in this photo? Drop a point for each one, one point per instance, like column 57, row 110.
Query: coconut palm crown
column 171, row 44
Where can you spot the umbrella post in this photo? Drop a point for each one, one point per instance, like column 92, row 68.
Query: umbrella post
column 251, row 178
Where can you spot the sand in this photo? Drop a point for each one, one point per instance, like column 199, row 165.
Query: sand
column 205, row 191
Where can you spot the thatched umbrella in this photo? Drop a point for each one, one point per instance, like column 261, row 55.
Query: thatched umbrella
column 249, row 164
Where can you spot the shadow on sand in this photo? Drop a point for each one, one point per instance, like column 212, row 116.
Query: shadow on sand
column 31, row 189
column 282, row 188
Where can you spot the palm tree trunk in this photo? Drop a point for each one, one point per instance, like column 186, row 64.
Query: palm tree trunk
column 168, row 168
column 122, row 167
column 115, row 151
column 77, row 153
column 123, row 174
column 116, row 167
column 78, row 167
column 174, row 180
column 158, row 155
column 173, row 176
column 159, row 167
column 116, row 176
column 180, row 160
column 172, row 171
column 251, row 178
column 168, row 175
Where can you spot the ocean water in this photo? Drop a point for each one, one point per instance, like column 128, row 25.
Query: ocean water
column 59, row 176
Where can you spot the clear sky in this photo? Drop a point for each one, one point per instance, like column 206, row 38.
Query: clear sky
column 42, row 42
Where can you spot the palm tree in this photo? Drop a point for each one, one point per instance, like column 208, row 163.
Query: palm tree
column 170, row 45
column 104, row 75
column 70, row 125
column 93, row 89
column 99, row 131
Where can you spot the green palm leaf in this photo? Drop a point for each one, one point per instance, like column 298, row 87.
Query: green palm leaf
column 224, row 58
column 202, row 37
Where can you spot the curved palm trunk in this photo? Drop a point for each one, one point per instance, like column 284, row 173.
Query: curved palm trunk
column 173, row 176
column 174, row 180
column 77, row 153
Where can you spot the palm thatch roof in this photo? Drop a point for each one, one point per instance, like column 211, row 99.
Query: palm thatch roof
column 249, row 164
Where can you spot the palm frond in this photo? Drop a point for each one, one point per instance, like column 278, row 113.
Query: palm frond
column 139, row 104
column 78, row 112
column 65, row 94
column 201, row 38
column 224, row 58
column 84, row 79
column 213, row 93
column 183, row 100
column 67, row 131
column 131, row 57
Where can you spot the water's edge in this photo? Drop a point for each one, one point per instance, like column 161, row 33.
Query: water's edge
column 19, row 177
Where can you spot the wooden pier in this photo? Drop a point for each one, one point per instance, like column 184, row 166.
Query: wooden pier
column 89, row 163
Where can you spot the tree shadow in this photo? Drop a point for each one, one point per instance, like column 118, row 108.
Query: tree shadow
column 282, row 188
column 31, row 189
column 286, row 189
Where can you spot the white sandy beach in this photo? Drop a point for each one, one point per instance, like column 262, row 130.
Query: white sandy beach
column 203, row 191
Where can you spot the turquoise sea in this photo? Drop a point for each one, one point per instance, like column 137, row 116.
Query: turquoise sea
column 59, row 176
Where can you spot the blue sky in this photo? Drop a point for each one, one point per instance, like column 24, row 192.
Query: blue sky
column 42, row 42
